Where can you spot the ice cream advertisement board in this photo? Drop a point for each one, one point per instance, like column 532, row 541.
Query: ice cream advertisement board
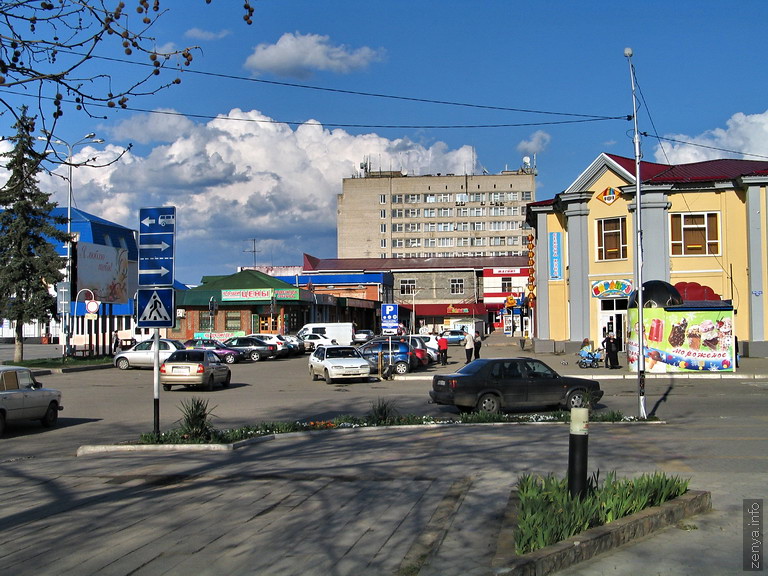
column 683, row 340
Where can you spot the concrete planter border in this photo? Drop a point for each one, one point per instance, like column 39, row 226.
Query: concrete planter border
column 595, row 540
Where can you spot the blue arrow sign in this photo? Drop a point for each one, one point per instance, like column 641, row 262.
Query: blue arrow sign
column 157, row 237
column 155, row 308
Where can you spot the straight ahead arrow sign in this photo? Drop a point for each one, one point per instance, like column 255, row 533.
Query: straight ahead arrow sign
column 162, row 271
column 161, row 246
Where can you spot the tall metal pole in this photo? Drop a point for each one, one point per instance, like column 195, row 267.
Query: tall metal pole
column 641, row 413
column 89, row 138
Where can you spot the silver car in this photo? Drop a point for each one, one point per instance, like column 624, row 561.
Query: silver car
column 194, row 368
column 142, row 355
column 338, row 362
column 24, row 398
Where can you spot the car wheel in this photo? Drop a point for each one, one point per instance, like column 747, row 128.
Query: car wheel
column 229, row 359
column 489, row 403
column 576, row 399
column 167, row 387
column 209, row 384
column 401, row 368
column 227, row 380
column 123, row 364
column 313, row 374
column 328, row 379
column 51, row 415
column 255, row 355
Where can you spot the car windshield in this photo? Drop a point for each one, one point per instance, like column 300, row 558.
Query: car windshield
column 186, row 356
column 342, row 353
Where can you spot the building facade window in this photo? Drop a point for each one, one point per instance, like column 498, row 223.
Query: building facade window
column 397, row 199
column 430, row 227
column 414, row 242
column 413, row 227
column 383, row 228
column 232, row 320
column 445, row 212
column 430, row 198
column 612, row 239
column 412, row 213
column 430, row 212
column 383, row 243
column 443, row 197
column 382, row 198
column 398, row 243
column 445, row 242
column 397, row 213
column 445, row 227
column 205, row 322
column 407, row 286
column 412, row 199
column 457, row 286
column 695, row 234
column 382, row 214
column 477, row 197
column 527, row 196
column 506, row 283
column 397, row 228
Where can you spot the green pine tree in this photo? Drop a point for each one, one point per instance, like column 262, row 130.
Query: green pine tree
column 29, row 264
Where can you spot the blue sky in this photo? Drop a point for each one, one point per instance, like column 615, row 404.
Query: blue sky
column 247, row 174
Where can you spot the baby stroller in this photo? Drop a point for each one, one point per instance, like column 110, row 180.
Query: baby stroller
column 589, row 359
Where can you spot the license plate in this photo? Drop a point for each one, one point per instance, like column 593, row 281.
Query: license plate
column 440, row 383
column 180, row 370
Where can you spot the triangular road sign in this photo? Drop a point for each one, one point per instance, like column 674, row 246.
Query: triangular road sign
column 156, row 308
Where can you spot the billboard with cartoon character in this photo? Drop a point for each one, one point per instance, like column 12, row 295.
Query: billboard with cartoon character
column 684, row 338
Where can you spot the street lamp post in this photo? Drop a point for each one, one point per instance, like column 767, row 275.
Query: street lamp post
column 89, row 138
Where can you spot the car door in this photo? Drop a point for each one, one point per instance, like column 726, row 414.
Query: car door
column 217, row 367
column 544, row 386
column 507, row 377
column 142, row 354
column 316, row 360
column 11, row 397
column 35, row 401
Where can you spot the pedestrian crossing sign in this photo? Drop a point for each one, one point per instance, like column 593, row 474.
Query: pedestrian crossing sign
column 155, row 308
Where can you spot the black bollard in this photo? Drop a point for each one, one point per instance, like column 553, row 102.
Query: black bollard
column 578, row 449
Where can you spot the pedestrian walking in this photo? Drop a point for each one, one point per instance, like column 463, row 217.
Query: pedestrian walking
column 115, row 342
column 442, row 350
column 469, row 346
column 478, row 342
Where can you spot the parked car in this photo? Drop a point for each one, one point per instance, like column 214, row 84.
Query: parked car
column 504, row 384
column 337, row 363
column 418, row 345
column 297, row 341
column 194, row 367
column 282, row 348
column 312, row 341
column 142, row 355
column 363, row 336
column 400, row 355
column 24, row 398
column 252, row 348
column 293, row 347
column 454, row 336
column 430, row 340
column 229, row 355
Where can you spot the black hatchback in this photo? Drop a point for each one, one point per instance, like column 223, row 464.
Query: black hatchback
column 504, row 384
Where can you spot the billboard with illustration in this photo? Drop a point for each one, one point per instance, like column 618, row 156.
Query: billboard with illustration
column 683, row 339
column 107, row 272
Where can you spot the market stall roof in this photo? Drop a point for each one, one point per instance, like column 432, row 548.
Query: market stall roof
column 213, row 285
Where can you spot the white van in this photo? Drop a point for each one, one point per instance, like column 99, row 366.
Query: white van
column 342, row 332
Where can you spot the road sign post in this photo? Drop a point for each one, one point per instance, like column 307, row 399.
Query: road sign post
column 155, row 297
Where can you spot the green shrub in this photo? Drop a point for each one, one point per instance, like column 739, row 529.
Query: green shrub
column 548, row 514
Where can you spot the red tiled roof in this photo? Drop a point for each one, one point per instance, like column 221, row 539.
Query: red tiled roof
column 706, row 171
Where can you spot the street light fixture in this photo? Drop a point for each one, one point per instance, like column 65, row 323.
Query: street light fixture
column 89, row 138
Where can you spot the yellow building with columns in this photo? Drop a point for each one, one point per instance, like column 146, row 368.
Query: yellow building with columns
column 704, row 230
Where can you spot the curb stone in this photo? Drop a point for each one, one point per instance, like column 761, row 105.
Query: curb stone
column 593, row 541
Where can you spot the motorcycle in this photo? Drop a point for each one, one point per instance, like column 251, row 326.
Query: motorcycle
column 590, row 359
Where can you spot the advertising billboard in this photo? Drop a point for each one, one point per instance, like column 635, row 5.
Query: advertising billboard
column 683, row 340
column 107, row 272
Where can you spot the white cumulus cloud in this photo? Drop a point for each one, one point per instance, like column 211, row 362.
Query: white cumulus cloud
column 300, row 55
column 242, row 176
column 535, row 144
column 744, row 134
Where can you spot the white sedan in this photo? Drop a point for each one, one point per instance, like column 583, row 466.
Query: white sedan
column 24, row 398
column 337, row 363
column 313, row 341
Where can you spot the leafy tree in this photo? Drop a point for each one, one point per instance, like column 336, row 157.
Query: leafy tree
column 56, row 50
column 29, row 263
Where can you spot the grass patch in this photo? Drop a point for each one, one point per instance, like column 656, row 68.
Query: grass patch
column 69, row 362
column 195, row 426
column 548, row 514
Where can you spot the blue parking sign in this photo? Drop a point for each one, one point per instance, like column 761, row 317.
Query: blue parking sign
column 390, row 317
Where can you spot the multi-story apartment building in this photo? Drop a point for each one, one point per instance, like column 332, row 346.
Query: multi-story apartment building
column 393, row 215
